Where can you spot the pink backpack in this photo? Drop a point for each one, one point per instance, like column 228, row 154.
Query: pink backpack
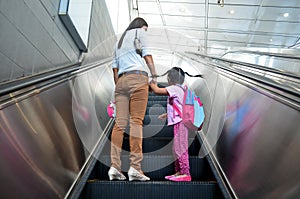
column 192, row 110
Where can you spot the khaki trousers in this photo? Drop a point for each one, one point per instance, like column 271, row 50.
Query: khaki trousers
column 131, row 96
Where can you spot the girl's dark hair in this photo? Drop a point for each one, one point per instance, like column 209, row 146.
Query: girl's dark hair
column 176, row 75
column 136, row 23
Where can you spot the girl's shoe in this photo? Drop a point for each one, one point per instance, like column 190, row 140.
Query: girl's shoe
column 171, row 176
column 181, row 178
column 115, row 174
column 134, row 174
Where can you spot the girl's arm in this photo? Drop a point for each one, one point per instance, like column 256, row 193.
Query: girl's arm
column 157, row 90
column 163, row 116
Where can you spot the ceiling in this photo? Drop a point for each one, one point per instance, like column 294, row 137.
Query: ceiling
column 213, row 28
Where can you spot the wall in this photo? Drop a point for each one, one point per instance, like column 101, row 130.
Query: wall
column 102, row 36
column 33, row 39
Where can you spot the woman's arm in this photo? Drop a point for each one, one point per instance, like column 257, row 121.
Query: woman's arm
column 115, row 70
column 150, row 64
column 158, row 90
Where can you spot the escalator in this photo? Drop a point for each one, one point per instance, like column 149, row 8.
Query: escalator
column 157, row 163
column 55, row 135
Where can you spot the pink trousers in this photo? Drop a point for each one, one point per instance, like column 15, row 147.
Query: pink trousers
column 180, row 149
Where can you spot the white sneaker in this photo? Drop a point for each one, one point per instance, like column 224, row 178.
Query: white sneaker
column 114, row 174
column 134, row 174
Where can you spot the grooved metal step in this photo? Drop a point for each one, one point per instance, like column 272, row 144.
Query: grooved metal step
column 156, row 167
column 157, row 146
column 151, row 190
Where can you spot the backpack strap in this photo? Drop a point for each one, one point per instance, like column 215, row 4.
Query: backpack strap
column 175, row 107
column 184, row 89
column 136, row 34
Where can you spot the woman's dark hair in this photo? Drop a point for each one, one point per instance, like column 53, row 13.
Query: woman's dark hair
column 136, row 23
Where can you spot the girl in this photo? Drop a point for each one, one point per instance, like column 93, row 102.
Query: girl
column 175, row 91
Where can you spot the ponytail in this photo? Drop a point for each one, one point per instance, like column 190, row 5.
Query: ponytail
column 194, row 75
column 199, row 75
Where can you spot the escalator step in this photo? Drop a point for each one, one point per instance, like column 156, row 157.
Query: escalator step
column 162, row 103
column 157, row 131
column 154, row 120
column 156, row 167
column 157, row 145
column 155, row 110
column 151, row 190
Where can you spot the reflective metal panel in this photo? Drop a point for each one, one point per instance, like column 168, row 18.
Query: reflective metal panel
column 45, row 137
column 253, row 131
column 39, row 146
column 258, row 148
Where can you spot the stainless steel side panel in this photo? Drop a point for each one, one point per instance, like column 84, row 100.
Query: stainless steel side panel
column 259, row 145
column 255, row 136
column 46, row 135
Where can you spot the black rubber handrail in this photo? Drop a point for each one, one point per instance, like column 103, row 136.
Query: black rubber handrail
column 263, row 68
column 287, row 94
column 273, row 54
column 18, row 84
column 255, row 77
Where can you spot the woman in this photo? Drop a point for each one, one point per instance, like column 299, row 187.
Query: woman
column 131, row 96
